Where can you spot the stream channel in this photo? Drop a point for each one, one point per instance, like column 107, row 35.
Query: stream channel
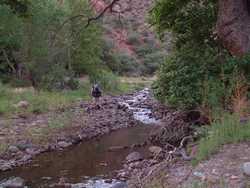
column 90, row 164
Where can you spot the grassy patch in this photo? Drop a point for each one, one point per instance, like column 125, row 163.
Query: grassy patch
column 44, row 101
column 56, row 123
column 226, row 131
column 39, row 101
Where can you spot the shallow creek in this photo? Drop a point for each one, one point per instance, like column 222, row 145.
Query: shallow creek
column 90, row 164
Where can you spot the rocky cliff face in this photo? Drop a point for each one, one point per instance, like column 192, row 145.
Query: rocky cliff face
column 233, row 26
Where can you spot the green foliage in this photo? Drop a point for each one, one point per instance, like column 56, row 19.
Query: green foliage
column 152, row 62
column 133, row 38
column 40, row 102
column 191, row 21
column 226, row 131
column 145, row 49
column 199, row 72
column 121, row 63
column 106, row 79
column 49, row 45
column 11, row 28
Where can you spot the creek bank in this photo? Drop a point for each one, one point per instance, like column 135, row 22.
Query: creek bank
column 93, row 121
column 111, row 113
column 88, row 121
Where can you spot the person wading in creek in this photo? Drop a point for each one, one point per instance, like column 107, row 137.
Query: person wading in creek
column 96, row 92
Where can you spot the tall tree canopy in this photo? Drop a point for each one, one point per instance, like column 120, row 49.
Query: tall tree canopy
column 199, row 71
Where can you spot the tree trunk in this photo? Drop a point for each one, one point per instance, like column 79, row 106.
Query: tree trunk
column 233, row 25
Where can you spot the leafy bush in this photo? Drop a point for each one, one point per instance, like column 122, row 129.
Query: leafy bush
column 123, row 64
column 142, row 50
column 106, row 79
column 58, row 79
column 199, row 72
column 152, row 62
column 51, row 45
column 133, row 38
column 11, row 28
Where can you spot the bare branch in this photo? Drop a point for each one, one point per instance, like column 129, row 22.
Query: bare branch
column 108, row 7
column 89, row 20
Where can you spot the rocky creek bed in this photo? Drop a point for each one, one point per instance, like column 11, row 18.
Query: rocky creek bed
column 97, row 161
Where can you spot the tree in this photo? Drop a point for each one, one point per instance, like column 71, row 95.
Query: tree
column 199, row 71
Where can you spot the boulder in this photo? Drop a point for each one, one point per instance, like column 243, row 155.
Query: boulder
column 132, row 157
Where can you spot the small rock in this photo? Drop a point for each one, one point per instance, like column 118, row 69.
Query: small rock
column 24, row 146
column 32, row 151
column 120, row 185
column 155, row 150
column 135, row 156
column 5, row 167
column 64, row 144
column 214, row 172
column 108, row 181
column 234, row 177
column 46, row 178
column 22, row 104
column 13, row 149
column 244, row 120
column 116, row 148
column 200, row 175
column 246, row 168
column 135, row 165
column 76, row 140
column 212, row 179
column 25, row 158
column 15, row 182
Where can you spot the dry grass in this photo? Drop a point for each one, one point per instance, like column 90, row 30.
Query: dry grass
column 240, row 103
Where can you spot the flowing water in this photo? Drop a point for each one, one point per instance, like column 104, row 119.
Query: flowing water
column 89, row 163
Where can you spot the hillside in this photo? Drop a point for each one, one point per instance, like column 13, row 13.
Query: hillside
column 132, row 47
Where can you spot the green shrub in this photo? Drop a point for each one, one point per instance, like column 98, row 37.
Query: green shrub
column 225, row 131
column 124, row 64
column 193, row 77
column 152, row 62
column 106, row 79
column 142, row 50
column 133, row 38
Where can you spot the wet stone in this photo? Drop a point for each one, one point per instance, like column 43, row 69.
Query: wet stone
column 64, row 144
column 13, row 149
column 15, row 182
column 120, row 185
column 133, row 157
